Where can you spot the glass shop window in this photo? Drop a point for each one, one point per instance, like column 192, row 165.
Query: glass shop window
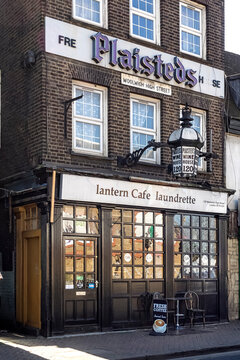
column 137, row 244
column 32, row 217
column 195, row 247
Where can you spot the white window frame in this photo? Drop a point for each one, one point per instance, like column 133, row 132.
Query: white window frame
column 203, row 133
column 103, row 121
column 103, row 14
column 155, row 17
column 156, row 132
column 201, row 33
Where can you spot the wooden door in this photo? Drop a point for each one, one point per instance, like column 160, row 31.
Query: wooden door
column 81, row 280
column 32, row 278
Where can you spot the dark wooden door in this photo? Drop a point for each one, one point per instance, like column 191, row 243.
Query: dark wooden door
column 137, row 263
column 81, row 280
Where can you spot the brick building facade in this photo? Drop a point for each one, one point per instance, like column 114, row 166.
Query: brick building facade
column 75, row 240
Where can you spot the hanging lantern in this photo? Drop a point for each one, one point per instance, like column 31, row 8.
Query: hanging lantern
column 186, row 144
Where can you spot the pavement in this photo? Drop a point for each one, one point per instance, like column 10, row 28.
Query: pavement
column 123, row 345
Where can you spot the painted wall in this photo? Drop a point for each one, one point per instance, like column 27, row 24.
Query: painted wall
column 233, row 168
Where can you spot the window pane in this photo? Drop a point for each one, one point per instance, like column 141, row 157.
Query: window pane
column 127, row 216
column 69, row 281
column 88, row 9
column 158, row 273
column 93, row 214
column 92, row 227
column 116, row 272
column 116, row 258
column 116, row 244
column 149, row 272
column 138, row 272
column 159, row 259
column 69, row 263
column 186, row 220
column 138, row 216
column 67, row 226
column 195, row 221
column 81, row 212
column 158, row 218
column 116, row 216
column 81, row 227
column 177, row 220
column 127, row 230
column 127, row 259
column 149, row 217
column 127, row 273
column 127, row 244
column 186, row 246
column 158, row 231
column 89, row 264
column 69, row 247
column 79, row 264
column 79, row 247
column 138, row 244
column 80, row 284
column 90, row 247
column 177, row 246
column 68, row 211
column 138, row 259
column 87, row 136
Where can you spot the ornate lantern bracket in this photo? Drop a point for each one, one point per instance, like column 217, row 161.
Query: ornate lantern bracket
column 186, row 144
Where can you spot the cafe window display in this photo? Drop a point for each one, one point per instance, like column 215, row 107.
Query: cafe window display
column 195, row 247
column 137, row 244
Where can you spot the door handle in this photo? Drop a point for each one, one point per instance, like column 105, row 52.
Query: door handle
column 96, row 283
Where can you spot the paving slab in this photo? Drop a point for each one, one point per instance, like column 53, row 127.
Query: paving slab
column 122, row 345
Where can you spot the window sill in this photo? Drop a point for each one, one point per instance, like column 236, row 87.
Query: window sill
column 92, row 156
column 88, row 25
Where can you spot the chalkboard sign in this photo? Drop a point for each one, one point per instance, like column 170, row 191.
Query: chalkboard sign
column 160, row 310
column 159, row 314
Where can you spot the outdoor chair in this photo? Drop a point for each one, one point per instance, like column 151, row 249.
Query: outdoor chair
column 192, row 307
column 144, row 302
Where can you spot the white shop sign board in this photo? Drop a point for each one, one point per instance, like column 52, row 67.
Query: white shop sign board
column 76, row 43
column 117, row 192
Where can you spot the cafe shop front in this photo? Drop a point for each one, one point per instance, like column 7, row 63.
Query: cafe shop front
column 115, row 240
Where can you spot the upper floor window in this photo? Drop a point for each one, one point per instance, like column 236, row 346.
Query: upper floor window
column 199, row 124
column 92, row 11
column 90, row 119
column 144, row 19
column 145, row 126
column 192, row 28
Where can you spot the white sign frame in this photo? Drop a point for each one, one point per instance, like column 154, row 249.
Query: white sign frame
column 76, row 43
column 118, row 192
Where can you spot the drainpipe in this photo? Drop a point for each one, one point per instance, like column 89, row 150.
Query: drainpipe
column 53, row 196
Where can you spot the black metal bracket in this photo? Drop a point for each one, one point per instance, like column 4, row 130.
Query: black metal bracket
column 132, row 158
column 67, row 105
column 208, row 155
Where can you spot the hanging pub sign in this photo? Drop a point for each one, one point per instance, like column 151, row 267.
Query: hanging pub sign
column 159, row 315
column 185, row 160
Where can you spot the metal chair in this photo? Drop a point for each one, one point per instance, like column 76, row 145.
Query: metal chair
column 192, row 307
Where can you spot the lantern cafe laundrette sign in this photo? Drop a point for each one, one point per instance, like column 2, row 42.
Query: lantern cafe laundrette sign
column 98, row 49
column 101, row 190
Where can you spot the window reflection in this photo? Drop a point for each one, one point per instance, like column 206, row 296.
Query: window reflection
column 195, row 247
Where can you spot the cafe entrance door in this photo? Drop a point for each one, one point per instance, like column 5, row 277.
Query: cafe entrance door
column 81, row 280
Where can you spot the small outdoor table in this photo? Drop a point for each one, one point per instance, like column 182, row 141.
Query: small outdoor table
column 177, row 314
